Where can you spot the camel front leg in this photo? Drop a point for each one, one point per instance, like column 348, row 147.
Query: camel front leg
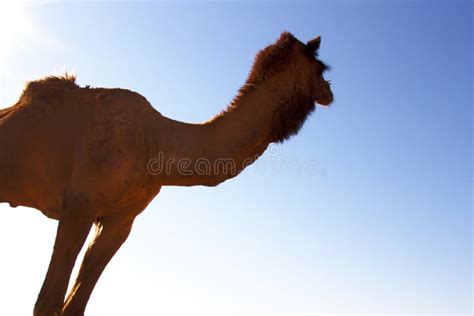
column 111, row 233
column 73, row 228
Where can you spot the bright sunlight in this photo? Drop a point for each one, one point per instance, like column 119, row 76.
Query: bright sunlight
column 15, row 25
column 17, row 32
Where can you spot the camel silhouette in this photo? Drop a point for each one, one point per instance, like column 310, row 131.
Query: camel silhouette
column 95, row 156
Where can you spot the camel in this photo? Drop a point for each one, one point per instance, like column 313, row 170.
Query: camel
column 96, row 156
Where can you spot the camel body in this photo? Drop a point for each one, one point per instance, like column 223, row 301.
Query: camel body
column 88, row 140
column 91, row 156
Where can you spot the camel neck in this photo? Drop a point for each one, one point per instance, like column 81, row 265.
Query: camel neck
column 217, row 150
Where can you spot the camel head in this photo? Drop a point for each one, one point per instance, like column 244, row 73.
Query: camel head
column 320, row 87
column 291, row 71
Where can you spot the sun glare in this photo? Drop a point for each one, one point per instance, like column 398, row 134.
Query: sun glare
column 15, row 25
column 17, row 32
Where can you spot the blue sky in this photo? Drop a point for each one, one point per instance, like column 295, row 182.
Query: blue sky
column 377, row 218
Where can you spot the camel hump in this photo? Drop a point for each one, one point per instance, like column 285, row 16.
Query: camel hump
column 50, row 85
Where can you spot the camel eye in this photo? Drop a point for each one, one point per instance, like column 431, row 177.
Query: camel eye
column 322, row 66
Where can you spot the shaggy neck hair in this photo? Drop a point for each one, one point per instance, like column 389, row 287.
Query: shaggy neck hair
column 295, row 104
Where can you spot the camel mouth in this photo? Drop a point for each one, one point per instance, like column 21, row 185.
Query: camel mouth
column 326, row 99
column 324, row 102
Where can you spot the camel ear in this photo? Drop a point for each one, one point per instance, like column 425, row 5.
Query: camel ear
column 313, row 45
